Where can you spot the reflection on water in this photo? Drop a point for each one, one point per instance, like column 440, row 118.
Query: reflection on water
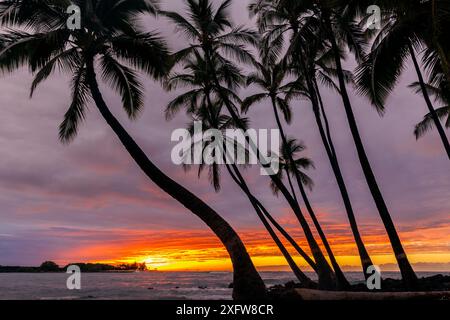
column 139, row 285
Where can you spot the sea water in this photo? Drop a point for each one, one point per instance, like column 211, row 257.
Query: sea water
column 140, row 285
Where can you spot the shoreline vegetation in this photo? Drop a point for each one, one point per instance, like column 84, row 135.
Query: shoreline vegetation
column 294, row 53
column 51, row 267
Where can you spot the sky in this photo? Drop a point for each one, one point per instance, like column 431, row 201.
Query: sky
column 88, row 201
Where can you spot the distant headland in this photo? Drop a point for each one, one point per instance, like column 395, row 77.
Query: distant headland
column 50, row 266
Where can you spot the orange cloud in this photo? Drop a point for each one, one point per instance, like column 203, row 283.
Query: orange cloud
column 173, row 250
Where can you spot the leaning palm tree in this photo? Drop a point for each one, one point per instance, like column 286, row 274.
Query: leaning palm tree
column 313, row 62
column 340, row 29
column 272, row 80
column 111, row 43
column 333, row 22
column 211, row 32
column 212, row 118
column 201, row 104
column 323, row 71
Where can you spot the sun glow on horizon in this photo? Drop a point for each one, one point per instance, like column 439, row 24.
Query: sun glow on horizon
column 153, row 263
column 198, row 250
column 421, row 262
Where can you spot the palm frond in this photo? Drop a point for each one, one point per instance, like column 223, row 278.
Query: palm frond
column 66, row 61
column 143, row 51
column 427, row 124
column 68, row 129
column 125, row 81
column 186, row 100
column 251, row 100
column 285, row 109
column 35, row 50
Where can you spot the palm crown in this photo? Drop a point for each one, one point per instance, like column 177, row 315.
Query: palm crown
column 291, row 150
column 213, row 36
column 274, row 82
column 110, row 35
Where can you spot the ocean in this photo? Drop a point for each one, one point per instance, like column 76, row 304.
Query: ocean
column 139, row 285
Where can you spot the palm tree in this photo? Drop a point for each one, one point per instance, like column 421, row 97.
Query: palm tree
column 199, row 104
column 314, row 63
column 402, row 32
column 341, row 29
column 110, row 41
column 211, row 32
column 196, row 77
column 210, row 115
column 288, row 168
column 271, row 79
column 322, row 70
column 333, row 22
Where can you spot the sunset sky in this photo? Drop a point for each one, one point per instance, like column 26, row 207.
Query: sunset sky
column 87, row 201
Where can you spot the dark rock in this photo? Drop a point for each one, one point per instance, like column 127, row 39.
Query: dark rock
column 231, row 285
column 292, row 285
column 428, row 284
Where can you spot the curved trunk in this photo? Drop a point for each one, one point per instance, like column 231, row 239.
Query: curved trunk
column 408, row 275
column 327, row 141
column 247, row 282
column 426, row 96
column 340, row 277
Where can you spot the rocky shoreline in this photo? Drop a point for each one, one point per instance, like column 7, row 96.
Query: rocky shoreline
column 435, row 287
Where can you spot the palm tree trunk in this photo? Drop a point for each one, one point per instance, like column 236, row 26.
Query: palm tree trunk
column 408, row 275
column 239, row 180
column 287, row 236
column 328, row 143
column 291, row 185
column 326, row 275
column 340, row 277
column 331, row 153
column 247, row 282
column 426, row 96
